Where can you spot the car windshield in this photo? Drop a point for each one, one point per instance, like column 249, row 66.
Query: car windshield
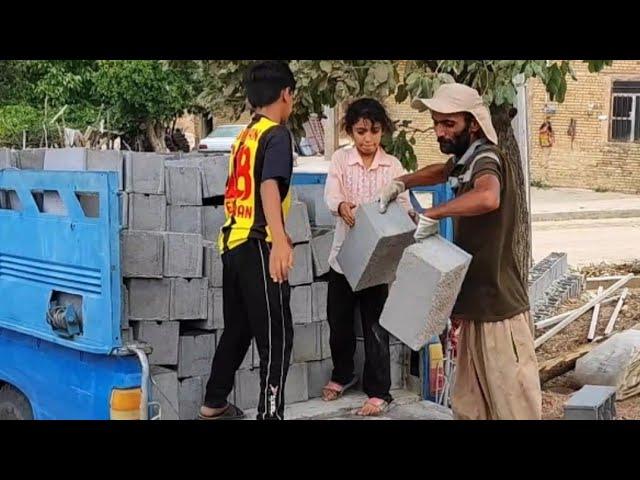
column 226, row 131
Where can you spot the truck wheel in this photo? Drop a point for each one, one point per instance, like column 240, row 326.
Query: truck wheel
column 14, row 405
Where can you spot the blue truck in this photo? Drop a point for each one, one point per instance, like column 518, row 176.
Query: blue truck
column 61, row 351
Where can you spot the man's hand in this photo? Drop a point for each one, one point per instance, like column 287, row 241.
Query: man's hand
column 345, row 210
column 389, row 193
column 426, row 227
column 281, row 260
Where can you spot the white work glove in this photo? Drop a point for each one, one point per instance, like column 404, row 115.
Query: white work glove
column 426, row 227
column 389, row 193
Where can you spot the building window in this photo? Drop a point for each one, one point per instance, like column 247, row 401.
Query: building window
column 625, row 112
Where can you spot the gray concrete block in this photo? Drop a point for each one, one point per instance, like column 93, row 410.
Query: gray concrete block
column 307, row 343
column 74, row 159
column 123, row 198
column 215, row 171
column 190, row 397
column 247, row 361
column 183, row 185
column 396, row 354
column 163, row 337
column 302, row 271
column 107, row 161
column 147, row 212
column 592, row 402
column 421, row 299
column 215, row 311
column 30, row 158
column 313, row 197
column 325, row 347
column 296, row 388
column 212, row 264
column 195, row 353
column 164, row 390
column 247, row 388
column 142, row 254
column 301, row 304
column 188, row 299
column 144, row 172
column 183, row 255
column 126, row 336
column 297, row 223
column 213, row 218
column 319, row 293
column 373, row 247
column 184, row 219
column 319, row 374
column 149, row 298
column 256, row 356
column 7, row 159
column 124, row 307
column 320, row 249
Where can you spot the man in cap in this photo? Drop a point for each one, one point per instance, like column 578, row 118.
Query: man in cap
column 497, row 371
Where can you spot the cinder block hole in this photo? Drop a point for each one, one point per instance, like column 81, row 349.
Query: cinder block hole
column 54, row 204
column 9, row 200
column 90, row 203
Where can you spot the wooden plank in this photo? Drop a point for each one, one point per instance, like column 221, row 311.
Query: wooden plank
column 560, row 365
column 578, row 312
column 594, row 317
column 616, row 312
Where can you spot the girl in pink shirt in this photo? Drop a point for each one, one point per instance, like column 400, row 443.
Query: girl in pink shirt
column 355, row 177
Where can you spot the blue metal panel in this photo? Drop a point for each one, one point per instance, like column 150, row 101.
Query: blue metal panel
column 43, row 252
column 63, row 383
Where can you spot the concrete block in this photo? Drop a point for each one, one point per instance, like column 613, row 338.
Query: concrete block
column 195, row 353
column 297, row 223
column 124, row 307
column 65, row 159
column 301, row 304
column 215, row 312
column 142, row 254
column 30, row 158
column 183, row 185
column 325, row 347
column 319, row 374
column 307, row 343
column 592, row 402
column 319, row 293
column 320, row 249
column 373, row 247
column 313, row 197
column 421, row 299
column 107, row 161
column 7, row 159
column 126, row 336
column 256, row 355
column 164, row 390
column 188, row 299
column 163, row 337
column 184, row 219
column 296, row 388
column 213, row 218
column 247, row 362
column 149, row 299
column 147, row 212
column 212, row 264
column 302, row 271
column 123, row 198
column 190, row 397
column 396, row 354
column 247, row 388
column 215, row 171
column 183, row 255
column 144, row 172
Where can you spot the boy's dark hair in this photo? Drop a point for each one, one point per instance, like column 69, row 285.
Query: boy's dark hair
column 264, row 81
column 368, row 109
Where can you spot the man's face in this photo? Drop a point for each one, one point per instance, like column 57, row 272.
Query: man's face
column 453, row 132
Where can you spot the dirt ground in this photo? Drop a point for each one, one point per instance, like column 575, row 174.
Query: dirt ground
column 557, row 391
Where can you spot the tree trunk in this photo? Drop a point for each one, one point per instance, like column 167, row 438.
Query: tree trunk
column 509, row 146
column 155, row 136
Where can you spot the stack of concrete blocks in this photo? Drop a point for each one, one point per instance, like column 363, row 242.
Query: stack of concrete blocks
column 551, row 283
column 421, row 299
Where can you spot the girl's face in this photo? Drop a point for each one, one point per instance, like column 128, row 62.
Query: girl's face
column 366, row 136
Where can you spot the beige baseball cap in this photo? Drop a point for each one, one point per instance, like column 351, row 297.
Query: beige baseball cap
column 455, row 98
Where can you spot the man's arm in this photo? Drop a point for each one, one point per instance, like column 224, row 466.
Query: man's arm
column 483, row 198
column 429, row 175
column 281, row 258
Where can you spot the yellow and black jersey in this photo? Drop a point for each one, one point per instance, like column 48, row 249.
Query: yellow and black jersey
column 262, row 151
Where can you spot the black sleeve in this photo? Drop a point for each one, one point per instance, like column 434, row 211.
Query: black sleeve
column 278, row 155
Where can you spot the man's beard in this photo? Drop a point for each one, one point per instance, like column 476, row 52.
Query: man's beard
column 458, row 145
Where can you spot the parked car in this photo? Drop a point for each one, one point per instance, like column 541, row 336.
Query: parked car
column 220, row 139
